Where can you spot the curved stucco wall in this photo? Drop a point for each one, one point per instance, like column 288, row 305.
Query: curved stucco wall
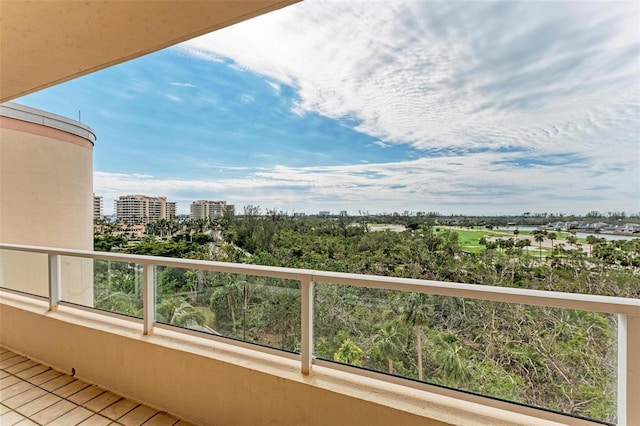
column 46, row 185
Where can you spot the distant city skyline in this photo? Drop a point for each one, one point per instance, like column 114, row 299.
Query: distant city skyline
column 465, row 108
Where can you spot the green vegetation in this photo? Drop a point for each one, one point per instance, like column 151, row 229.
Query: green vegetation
column 559, row 359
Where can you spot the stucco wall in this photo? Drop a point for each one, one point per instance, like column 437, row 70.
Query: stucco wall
column 46, row 184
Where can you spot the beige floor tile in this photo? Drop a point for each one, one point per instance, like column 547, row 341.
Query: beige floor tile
column 137, row 416
column 101, row 402
column 70, row 388
column 118, row 409
column 56, row 383
column 73, row 417
column 26, row 402
column 21, row 366
column 85, row 395
column 14, row 390
column 44, row 377
column 38, row 404
column 33, row 371
column 11, row 361
column 3, row 349
column 96, row 420
column 10, row 418
column 183, row 423
column 24, row 397
column 162, row 419
column 26, row 422
column 7, row 355
column 8, row 381
column 53, row 412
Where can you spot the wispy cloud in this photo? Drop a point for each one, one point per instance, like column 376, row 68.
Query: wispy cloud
column 276, row 87
column 549, row 78
column 183, row 84
column 487, row 183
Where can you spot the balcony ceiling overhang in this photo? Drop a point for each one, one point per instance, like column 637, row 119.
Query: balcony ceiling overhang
column 43, row 43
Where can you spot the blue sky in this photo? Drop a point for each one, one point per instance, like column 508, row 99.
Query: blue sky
column 456, row 107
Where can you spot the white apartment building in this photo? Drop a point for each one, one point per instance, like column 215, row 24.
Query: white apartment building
column 206, row 209
column 97, row 206
column 143, row 209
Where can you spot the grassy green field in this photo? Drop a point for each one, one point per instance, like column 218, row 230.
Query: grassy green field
column 469, row 239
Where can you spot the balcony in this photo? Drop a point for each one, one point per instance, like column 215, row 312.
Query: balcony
column 36, row 392
column 234, row 376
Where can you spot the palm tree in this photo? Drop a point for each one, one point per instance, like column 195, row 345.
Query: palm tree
column 552, row 236
column 177, row 311
column 201, row 225
column 232, row 290
column 161, row 225
column 451, row 363
column 172, row 226
column 538, row 236
column 116, row 301
column 416, row 314
column 388, row 342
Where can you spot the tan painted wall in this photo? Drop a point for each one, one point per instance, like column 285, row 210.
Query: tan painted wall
column 46, row 184
column 213, row 383
column 48, row 42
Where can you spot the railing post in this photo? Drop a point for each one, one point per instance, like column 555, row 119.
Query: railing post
column 628, row 370
column 306, row 351
column 54, row 281
column 148, row 298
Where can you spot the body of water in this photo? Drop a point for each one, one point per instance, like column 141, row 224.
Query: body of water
column 610, row 237
column 606, row 236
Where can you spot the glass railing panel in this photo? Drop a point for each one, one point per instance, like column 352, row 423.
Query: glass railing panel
column 254, row 309
column 557, row 359
column 25, row 272
column 107, row 285
column 77, row 281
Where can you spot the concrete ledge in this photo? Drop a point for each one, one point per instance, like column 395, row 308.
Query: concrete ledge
column 207, row 382
column 48, row 119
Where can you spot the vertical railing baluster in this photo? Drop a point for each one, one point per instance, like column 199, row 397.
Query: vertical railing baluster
column 306, row 351
column 628, row 370
column 55, row 281
column 148, row 298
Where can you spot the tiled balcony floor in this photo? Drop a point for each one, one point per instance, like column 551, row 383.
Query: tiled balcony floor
column 34, row 394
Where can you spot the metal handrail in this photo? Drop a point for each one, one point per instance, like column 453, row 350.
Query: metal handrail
column 552, row 299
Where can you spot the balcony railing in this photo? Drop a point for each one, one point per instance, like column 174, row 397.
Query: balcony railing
column 625, row 311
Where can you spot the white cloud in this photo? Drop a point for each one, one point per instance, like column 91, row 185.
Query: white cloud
column 484, row 183
column 276, row 87
column 183, row 84
column 512, row 105
column 381, row 144
column 247, row 99
column 547, row 77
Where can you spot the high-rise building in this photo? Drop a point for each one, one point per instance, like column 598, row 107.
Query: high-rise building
column 143, row 209
column 97, row 206
column 206, row 209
